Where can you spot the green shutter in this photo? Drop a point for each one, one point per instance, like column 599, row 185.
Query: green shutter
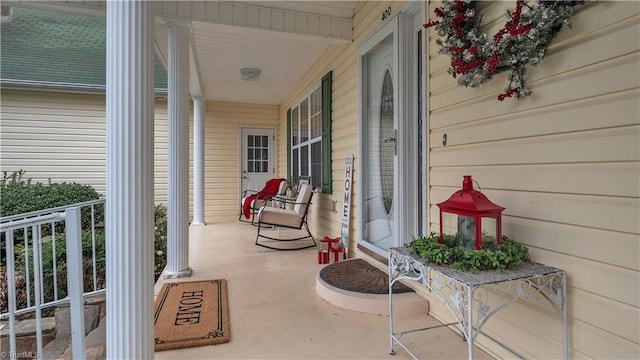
column 327, row 184
column 289, row 143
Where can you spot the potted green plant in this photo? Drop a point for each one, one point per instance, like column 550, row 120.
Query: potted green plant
column 291, row 187
column 509, row 255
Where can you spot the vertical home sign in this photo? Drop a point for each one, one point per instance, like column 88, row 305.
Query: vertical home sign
column 346, row 202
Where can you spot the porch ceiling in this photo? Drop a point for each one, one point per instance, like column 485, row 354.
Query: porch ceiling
column 220, row 51
column 281, row 38
column 282, row 57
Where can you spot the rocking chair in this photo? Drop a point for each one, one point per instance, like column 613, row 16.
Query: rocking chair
column 253, row 200
column 295, row 218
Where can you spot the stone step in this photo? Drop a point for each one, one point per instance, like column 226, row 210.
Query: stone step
column 95, row 330
column 26, row 336
column 95, row 343
column 56, row 333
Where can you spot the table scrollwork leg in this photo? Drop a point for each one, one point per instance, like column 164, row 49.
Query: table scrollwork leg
column 454, row 297
column 548, row 288
column 402, row 268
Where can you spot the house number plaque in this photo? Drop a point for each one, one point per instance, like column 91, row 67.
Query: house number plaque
column 386, row 13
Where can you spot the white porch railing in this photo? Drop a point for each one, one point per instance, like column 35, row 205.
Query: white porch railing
column 31, row 246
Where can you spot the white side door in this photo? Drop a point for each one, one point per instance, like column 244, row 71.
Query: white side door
column 257, row 158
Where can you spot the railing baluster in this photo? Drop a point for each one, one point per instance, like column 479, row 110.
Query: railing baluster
column 75, row 287
column 93, row 248
column 40, row 262
column 54, row 260
column 11, row 291
column 27, row 271
column 37, row 286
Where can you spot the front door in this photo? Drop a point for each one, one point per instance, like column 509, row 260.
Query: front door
column 388, row 135
column 257, row 162
column 379, row 72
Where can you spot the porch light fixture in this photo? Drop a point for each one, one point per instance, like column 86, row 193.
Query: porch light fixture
column 250, row 74
column 471, row 217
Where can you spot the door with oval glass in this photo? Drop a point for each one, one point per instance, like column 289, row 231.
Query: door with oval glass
column 379, row 123
column 387, row 134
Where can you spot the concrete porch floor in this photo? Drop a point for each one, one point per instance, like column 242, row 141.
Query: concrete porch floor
column 275, row 312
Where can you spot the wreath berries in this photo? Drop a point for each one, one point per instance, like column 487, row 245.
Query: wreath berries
column 523, row 40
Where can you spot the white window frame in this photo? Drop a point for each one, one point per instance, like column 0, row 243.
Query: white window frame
column 316, row 178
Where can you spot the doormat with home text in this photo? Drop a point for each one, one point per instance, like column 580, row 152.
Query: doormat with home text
column 189, row 314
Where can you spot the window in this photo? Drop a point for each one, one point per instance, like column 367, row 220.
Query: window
column 309, row 137
column 257, row 153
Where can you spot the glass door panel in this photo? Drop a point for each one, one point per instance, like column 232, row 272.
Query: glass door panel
column 379, row 124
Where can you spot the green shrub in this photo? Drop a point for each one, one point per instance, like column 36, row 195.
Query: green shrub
column 19, row 195
column 160, row 235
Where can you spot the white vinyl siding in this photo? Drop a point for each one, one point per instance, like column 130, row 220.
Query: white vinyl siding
column 565, row 163
column 222, row 153
column 62, row 137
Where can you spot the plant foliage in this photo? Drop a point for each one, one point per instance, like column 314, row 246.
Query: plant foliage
column 509, row 255
column 19, row 195
column 60, row 257
column 160, row 236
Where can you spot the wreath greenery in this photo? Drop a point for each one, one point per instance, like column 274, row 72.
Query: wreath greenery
column 522, row 41
column 508, row 255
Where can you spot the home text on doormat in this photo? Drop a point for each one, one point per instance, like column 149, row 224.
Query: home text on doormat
column 189, row 314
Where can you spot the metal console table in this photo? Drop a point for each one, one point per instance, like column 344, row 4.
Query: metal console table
column 464, row 292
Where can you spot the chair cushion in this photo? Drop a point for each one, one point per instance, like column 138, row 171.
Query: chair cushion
column 302, row 201
column 283, row 188
column 277, row 216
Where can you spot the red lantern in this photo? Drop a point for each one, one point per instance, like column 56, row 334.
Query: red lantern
column 471, row 217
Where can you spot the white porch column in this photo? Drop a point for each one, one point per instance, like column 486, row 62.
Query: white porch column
column 129, row 205
column 178, row 172
column 198, row 160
